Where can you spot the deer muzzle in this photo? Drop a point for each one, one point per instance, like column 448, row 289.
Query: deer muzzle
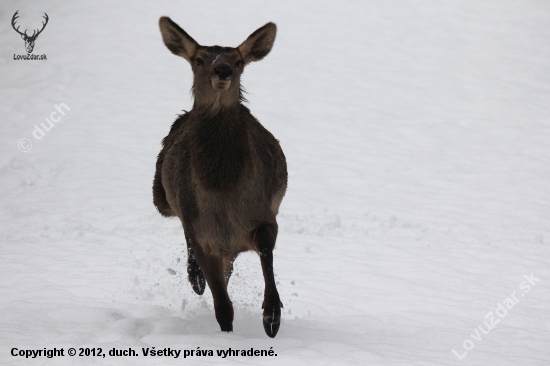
column 222, row 78
column 220, row 84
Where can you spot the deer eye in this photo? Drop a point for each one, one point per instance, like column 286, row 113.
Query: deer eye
column 199, row 61
column 239, row 63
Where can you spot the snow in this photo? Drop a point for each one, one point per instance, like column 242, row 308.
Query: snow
column 416, row 135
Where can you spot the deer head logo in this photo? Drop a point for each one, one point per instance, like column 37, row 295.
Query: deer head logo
column 29, row 40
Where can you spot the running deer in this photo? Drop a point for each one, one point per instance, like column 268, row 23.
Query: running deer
column 221, row 172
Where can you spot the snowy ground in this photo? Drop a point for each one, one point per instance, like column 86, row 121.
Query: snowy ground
column 417, row 135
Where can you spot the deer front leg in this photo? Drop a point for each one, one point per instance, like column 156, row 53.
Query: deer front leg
column 228, row 267
column 213, row 269
column 265, row 242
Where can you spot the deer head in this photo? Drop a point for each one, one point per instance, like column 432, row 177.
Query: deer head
column 217, row 70
column 29, row 40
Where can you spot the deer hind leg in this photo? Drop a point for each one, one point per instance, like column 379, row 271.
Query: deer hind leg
column 264, row 238
column 194, row 273
column 159, row 194
column 213, row 268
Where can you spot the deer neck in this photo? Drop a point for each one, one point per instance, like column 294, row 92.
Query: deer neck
column 215, row 101
column 221, row 150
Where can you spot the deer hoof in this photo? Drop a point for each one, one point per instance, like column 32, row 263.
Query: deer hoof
column 199, row 284
column 271, row 328
column 226, row 327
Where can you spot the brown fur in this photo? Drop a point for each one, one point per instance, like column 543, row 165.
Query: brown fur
column 220, row 171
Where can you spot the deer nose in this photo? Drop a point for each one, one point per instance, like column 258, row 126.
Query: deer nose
column 223, row 72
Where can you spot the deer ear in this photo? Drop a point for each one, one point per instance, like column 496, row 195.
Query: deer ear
column 176, row 39
column 259, row 43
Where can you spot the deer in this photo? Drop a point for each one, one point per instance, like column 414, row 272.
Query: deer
column 29, row 40
column 221, row 172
